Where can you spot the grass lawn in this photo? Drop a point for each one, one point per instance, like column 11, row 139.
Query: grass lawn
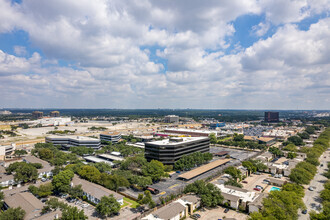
column 134, row 204
column 125, row 204
column 225, row 139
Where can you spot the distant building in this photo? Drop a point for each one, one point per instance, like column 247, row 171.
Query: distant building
column 171, row 119
column 168, row 151
column 74, row 141
column 54, row 114
column 57, row 121
column 190, row 132
column 37, row 114
column 6, row 150
column 111, row 136
column 214, row 126
column 272, row 117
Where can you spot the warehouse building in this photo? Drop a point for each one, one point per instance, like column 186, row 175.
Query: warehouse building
column 168, row 151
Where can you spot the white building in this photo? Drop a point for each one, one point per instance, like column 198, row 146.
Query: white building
column 190, row 132
column 236, row 196
column 58, row 121
column 6, row 150
column 74, row 141
column 171, row 119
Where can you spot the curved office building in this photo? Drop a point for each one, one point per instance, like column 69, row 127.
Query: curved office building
column 74, row 141
column 168, row 151
column 113, row 137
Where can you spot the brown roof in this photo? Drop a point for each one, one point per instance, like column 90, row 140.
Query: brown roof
column 190, row 198
column 237, row 188
column 202, row 169
column 258, row 201
column 110, row 133
column 277, row 181
column 5, row 177
column 265, row 139
column 2, row 169
column 169, row 211
column 46, row 167
column 94, row 189
column 50, row 215
column 28, row 202
column 250, row 138
column 221, row 153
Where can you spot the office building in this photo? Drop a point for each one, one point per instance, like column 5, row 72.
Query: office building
column 214, row 126
column 74, row 141
column 37, row 114
column 6, row 150
column 111, row 136
column 168, row 151
column 54, row 114
column 272, row 117
column 57, row 121
column 171, row 119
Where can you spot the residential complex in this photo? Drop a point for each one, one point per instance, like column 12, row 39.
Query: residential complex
column 74, row 141
column 168, row 151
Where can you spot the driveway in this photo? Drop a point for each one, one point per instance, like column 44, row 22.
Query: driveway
column 312, row 199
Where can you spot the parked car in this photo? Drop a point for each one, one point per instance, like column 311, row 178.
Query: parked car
column 280, row 175
column 226, row 210
column 178, row 171
column 260, row 187
column 257, row 173
column 322, row 165
column 244, row 181
column 310, row 188
column 257, row 189
column 43, row 179
column 304, row 211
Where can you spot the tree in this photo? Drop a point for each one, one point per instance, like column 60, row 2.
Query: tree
column 34, row 190
column 249, row 165
column 296, row 140
column 291, row 147
column 25, row 173
column 61, row 181
column 232, row 182
column 310, row 130
column 45, row 190
column 45, row 154
column 82, row 150
column 234, row 173
column 90, row 173
column 300, row 176
column 293, row 187
column 71, row 213
column 209, row 193
column 277, row 152
column 213, row 138
column 19, row 153
column 108, row 206
column 304, row 135
column 238, row 137
column 13, row 214
column 154, row 169
column 76, row 191
column 103, row 167
column 292, row 155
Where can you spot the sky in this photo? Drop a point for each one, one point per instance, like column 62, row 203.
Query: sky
column 230, row 54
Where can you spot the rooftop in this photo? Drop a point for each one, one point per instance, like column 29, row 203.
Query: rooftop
column 169, row 211
column 78, row 138
column 94, row 189
column 202, row 169
column 243, row 194
column 97, row 160
column 111, row 157
column 111, row 133
column 28, row 202
column 190, row 130
column 173, row 141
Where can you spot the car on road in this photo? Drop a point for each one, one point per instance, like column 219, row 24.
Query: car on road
column 257, row 189
column 226, row 210
column 304, row 211
column 311, row 188
column 195, row 216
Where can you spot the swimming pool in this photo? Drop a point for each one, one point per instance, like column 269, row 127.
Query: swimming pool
column 274, row 189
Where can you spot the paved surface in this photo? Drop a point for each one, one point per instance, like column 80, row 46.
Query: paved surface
column 218, row 213
column 312, row 199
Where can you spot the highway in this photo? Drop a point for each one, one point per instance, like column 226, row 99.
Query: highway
column 312, row 199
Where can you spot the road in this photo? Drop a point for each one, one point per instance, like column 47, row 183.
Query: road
column 312, row 199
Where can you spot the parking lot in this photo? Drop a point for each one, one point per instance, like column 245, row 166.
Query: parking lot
column 237, row 154
column 218, row 213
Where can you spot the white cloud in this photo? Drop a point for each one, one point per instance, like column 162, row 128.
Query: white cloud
column 103, row 41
